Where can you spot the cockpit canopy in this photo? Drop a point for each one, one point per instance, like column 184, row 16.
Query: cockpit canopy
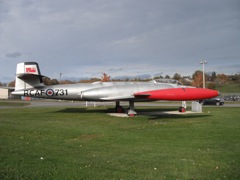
column 170, row 81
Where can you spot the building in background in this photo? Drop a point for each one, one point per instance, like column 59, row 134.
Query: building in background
column 4, row 93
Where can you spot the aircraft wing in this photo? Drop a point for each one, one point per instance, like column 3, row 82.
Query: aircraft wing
column 117, row 98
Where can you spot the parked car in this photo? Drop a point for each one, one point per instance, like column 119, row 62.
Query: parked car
column 213, row 101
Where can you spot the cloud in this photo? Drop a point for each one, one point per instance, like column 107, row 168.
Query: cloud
column 14, row 54
column 120, row 37
column 121, row 69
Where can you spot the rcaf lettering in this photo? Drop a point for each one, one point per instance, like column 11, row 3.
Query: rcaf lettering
column 34, row 92
column 48, row 92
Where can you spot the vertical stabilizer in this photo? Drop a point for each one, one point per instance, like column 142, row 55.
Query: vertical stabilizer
column 28, row 76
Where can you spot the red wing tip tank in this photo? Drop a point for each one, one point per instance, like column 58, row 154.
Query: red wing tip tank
column 178, row 94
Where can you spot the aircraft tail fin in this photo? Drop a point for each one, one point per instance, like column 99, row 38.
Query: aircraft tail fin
column 28, row 76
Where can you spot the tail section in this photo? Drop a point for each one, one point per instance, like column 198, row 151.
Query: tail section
column 28, row 76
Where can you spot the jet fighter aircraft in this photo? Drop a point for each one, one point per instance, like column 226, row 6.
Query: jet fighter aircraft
column 29, row 83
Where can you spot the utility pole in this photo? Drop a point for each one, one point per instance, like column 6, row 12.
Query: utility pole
column 60, row 75
column 203, row 62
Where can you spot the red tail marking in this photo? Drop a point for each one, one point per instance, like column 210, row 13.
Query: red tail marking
column 31, row 70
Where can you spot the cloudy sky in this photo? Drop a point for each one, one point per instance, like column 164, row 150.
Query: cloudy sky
column 84, row 38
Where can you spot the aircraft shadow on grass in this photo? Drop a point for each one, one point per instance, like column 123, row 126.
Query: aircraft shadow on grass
column 151, row 113
column 109, row 110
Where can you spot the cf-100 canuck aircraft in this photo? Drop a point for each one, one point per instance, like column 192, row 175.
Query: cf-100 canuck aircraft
column 29, row 83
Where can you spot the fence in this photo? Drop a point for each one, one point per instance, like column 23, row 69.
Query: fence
column 230, row 96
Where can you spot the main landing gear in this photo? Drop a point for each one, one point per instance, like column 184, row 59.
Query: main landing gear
column 183, row 107
column 118, row 108
column 130, row 110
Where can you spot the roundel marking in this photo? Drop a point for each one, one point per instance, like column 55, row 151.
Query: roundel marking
column 49, row 92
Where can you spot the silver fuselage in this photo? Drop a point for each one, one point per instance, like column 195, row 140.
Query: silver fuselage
column 98, row 91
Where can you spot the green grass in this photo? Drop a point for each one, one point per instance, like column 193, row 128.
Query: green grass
column 229, row 88
column 8, row 103
column 75, row 143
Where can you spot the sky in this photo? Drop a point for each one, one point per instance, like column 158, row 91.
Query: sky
column 85, row 38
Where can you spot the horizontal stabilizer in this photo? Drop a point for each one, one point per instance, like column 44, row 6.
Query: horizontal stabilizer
column 27, row 76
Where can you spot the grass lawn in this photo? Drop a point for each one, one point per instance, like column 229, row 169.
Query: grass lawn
column 229, row 88
column 15, row 103
column 79, row 143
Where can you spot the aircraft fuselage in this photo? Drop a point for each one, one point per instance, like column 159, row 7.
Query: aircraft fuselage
column 100, row 91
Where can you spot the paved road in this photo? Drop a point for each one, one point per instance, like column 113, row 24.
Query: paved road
column 51, row 103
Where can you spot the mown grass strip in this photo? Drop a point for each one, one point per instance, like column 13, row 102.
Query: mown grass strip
column 14, row 103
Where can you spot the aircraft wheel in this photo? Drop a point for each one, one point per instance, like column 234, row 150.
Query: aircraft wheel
column 131, row 115
column 119, row 109
column 182, row 109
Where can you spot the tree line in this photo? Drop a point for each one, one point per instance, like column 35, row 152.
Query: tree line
column 212, row 80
